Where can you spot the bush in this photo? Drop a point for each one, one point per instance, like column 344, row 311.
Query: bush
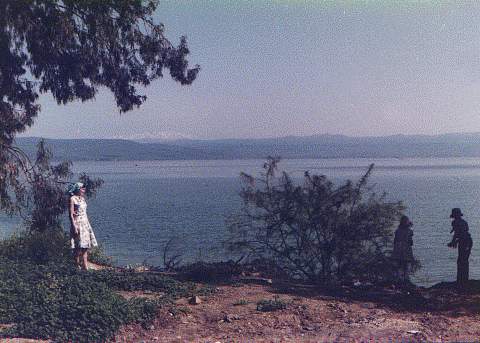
column 210, row 272
column 271, row 305
column 316, row 231
column 133, row 281
column 97, row 255
column 37, row 247
column 57, row 302
column 240, row 302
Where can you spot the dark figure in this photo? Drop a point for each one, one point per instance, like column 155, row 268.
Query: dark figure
column 461, row 239
column 402, row 247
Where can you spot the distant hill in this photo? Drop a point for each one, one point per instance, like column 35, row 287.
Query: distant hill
column 109, row 149
column 318, row 146
column 339, row 146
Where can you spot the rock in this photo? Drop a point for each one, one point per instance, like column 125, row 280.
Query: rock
column 230, row 318
column 368, row 305
column 413, row 332
column 155, row 338
column 152, row 327
column 195, row 300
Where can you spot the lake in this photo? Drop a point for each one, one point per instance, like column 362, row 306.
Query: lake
column 143, row 204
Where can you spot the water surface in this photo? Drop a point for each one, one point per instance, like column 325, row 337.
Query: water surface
column 143, row 204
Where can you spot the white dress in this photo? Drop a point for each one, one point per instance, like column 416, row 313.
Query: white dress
column 86, row 238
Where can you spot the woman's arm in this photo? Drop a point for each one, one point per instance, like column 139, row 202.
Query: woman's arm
column 71, row 210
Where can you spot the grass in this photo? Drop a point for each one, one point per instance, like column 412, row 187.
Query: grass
column 240, row 302
column 270, row 305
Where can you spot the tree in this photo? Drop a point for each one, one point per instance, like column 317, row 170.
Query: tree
column 316, row 231
column 70, row 48
column 47, row 200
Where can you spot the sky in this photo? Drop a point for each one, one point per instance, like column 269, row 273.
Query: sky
column 292, row 67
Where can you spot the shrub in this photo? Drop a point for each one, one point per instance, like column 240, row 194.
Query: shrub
column 142, row 311
column 271, row 305
column 179, row 310
column 316, row 230
column 56, row 301
column 37, row 247
column 133, row 281
column 210, row 272
column 240, row 302
column 97, row 255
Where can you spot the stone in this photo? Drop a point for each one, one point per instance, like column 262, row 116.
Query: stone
column 195, row 300
column 230, row 318
column 413, row 332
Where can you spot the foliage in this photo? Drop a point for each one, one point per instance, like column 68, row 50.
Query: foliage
column 179, row 310
column 69, row 49
column 56, row 301
column 209, row 272
column 46, row 199
column 133, row 281
column 142, row 310
column 97, row 255
column 41, row 199
column 240, row 302
column 36, row 247
column 317, row 230
column 44, row 304
column 270, row 305
column 171, row 261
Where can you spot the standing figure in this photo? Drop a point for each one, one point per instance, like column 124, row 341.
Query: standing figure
column 402, row 247
column 461, row 239
column 81, row 233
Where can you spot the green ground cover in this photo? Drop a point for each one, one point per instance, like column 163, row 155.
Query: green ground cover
column 45, row 296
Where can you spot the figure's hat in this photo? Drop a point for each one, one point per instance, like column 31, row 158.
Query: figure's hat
column 456, row 212
column 405, row 221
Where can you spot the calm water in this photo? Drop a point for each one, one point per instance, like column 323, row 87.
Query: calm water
column 144, row 204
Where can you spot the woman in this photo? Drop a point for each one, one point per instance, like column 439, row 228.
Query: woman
column 402, row 247
column 82, row 236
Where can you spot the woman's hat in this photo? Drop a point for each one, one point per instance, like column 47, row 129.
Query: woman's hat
column 74, row 187
column 456, row 212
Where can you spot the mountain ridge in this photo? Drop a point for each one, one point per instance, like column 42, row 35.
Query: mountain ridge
column 291, row 147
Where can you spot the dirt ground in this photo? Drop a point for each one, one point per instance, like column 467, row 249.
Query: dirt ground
column 388, row 315
column 231, row 315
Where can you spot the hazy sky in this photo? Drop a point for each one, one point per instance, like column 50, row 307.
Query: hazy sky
column 276, row 68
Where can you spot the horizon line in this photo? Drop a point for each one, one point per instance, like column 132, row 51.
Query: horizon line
column 255, row 138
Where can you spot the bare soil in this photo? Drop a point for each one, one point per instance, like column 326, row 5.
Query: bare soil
column 314, row 317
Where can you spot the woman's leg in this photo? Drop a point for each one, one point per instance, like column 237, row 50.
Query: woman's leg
column 76, row 256
column 84, row 257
